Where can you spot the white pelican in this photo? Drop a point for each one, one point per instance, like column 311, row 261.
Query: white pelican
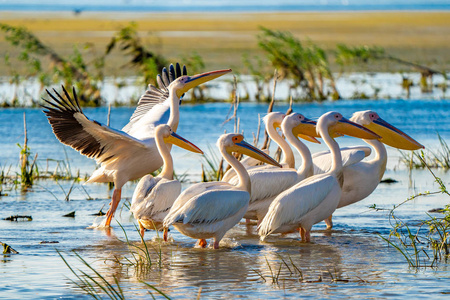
column 315, row 198
column 362, row 177
column 267, row 181
column 154, row 196
column 209, row 209
column 272, row 121
column 129, row 154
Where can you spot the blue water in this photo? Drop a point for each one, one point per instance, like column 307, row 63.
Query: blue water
column 221, row 6
column 353, row 251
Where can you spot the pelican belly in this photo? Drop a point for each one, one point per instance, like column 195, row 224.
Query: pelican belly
column 210, row 230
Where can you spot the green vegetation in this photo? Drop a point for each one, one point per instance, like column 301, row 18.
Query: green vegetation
column 439, row 158
column 306, row 64
column 94, row 284
column 424, row 243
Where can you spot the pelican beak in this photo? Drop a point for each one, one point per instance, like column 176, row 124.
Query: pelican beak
column 198, row 79
column 392, row 136
column 307, row 130
column 175, row 139
column 247, row 149
column 347, row 127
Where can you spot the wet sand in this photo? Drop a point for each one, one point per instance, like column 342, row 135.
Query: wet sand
column 222, row 38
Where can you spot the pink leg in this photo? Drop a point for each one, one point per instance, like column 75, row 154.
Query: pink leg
column 302, row 233
column 308, row 236
column 165, row 234
column 216, row 244
column 113, row 206
column 329, row 222
column 202, row 243
column 141, row 230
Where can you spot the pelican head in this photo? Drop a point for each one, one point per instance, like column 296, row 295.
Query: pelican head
column 234, row 142
column 184, row 83
column 301, row 127
column 274, row 119
column 170, row 137
column 390, row 135
column 337, row 124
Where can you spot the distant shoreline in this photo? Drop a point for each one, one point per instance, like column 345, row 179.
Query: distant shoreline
column 221, row 38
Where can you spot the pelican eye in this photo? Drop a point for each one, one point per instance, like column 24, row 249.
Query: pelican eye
column 237, row 139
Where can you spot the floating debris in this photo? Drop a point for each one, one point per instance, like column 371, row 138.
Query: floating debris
column 7, row 249
column 17, row 217
column 49, row 242
column 70, row 215
column 388, row 180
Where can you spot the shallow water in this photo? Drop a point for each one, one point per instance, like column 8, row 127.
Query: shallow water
column 353, row 252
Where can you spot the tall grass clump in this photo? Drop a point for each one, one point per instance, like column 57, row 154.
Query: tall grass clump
column 439, row 159
column 94, row 284
column 424, row 243
column 303, row 62
column 27, row 167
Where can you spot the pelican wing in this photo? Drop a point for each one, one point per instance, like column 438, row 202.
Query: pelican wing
column 211, row 205
column 291, row 205
column 142, row 190
column 151, row 100
column 350, row 156
column 268, row 181
column 89, row 137
column 154, row 195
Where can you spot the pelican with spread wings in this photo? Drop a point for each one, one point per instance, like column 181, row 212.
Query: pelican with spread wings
column 130, row 153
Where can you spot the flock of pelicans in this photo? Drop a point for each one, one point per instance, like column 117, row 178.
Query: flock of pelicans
column 281, row 198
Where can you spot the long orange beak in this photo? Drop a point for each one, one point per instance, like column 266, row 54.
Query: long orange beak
column 347, row 127
column 198, row 79
column 176, row 139
column 392, row 136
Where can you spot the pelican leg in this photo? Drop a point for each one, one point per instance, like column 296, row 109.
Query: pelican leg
column 307, row 236
column 141, row 230
column 202, row 243
column 329, row 222
column 117, row 194
column 302, row 234
column 216, row 244
column 165, row 234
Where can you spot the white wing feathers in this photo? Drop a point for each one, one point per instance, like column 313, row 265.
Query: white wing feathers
column 208, row 207
column 291, row 205
column 154, row 195
column 90, row 138
column 350, row 156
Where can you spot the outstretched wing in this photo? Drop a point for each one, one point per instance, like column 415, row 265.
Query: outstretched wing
column 89, row 137
column 154, row 96
column 350, row 156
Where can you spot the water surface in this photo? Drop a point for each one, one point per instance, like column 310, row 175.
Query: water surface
column 353, row 253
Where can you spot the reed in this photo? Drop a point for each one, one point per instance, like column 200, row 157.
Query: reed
column 211, row 166
column 429, row 243
column 94, row 284
column 278, row 274
column 26, row 168
column 438, row 159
